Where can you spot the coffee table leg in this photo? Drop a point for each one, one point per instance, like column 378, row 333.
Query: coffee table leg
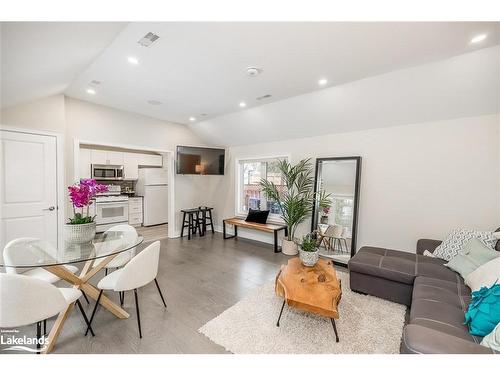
column 335, row 330
column 281, row 312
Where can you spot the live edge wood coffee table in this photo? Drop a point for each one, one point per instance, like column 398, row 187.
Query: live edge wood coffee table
column 313, row 289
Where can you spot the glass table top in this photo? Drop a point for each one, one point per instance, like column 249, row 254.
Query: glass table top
column 32, row 252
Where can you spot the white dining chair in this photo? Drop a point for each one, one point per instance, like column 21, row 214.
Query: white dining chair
column 28, row 250
column 28, row 300
column 25, row 251
column 129, row 235
column 140, row 271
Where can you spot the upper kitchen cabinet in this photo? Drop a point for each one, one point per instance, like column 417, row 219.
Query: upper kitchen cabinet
column 84, row 161
column 131, row 166
column 150, row 160
column 106, row 157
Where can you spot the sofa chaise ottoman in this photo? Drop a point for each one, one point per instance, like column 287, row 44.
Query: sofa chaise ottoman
column 437, row 296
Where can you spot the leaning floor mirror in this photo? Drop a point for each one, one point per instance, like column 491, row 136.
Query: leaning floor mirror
column 336, row 223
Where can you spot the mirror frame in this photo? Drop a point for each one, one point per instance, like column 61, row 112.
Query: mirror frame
column 317, row 177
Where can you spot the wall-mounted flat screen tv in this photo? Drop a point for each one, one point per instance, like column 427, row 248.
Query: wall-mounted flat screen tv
column 200, row 160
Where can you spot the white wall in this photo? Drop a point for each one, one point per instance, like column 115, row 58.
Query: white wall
column 417, row 181
column 86, row 121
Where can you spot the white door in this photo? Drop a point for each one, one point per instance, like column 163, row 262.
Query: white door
column 28, row 186
column 85, row 163
column 131, row 166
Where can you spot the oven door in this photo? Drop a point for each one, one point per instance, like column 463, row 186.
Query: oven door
column 111, row 212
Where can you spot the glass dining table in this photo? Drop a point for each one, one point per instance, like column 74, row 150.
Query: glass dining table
column 92, row 257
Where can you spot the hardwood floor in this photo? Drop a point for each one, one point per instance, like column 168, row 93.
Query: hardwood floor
column 199, row 278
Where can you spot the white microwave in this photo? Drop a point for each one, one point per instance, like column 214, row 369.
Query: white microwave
column 107, row 172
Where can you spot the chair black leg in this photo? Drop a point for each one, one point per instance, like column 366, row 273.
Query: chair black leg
column 89, row 327
column 45, row 327
column 38, row 336
column 93, row 312
column 138, row 315
column 85, row 296
column 122, row 298
column 159, row 291
column 105, row 272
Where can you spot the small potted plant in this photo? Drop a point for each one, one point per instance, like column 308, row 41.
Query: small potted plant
column 309, row 251
column 81, row 228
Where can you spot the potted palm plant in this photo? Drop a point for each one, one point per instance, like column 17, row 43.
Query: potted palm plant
column 82, row 227
column 296, row 200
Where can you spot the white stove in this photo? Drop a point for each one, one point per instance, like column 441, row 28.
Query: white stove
column 111, row 198
column 111, row 208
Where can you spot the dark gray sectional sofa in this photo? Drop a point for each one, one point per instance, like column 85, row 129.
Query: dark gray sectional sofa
column 436, row 295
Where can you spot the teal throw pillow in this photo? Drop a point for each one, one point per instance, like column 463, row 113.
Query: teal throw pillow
column 484, row 310
column 473, row 255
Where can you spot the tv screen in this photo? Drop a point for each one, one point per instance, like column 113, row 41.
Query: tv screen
column 200, row 160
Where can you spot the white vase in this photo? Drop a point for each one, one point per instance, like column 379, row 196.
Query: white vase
column 309, row 258
column 79, row 233
column 289, row 247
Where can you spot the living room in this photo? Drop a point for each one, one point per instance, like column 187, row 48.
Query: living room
column 276, row 188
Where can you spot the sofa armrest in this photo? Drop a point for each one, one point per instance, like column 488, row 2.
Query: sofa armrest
column 427, row 244
column 423, row 340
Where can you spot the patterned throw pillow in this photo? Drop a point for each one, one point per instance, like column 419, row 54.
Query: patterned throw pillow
column 457, row 239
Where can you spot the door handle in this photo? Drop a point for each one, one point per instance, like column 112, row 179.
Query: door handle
column 51, row 208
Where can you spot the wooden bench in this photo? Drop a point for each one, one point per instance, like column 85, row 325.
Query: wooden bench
column 269, row 228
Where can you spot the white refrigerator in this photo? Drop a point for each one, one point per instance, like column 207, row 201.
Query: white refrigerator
column 152, row 184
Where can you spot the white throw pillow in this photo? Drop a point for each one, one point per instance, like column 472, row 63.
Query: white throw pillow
column 485, row 275
column 492, row 339
column 456, row 240
column 427, row 253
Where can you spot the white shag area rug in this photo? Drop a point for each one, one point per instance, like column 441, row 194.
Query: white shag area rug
column 367, row 325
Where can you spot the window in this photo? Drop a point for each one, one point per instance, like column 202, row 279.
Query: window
column 343, row 210
column 250, row 195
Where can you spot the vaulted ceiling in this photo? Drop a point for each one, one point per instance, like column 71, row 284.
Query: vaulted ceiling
column 199, row 69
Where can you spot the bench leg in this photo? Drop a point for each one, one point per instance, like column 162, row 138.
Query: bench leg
column 224, row 233
column 276, row 242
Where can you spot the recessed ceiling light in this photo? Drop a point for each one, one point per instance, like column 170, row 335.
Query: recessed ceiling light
column 322, row 81
column 90, row 91
column 192, row 119
column 133, row 60
column 253, row 71
column 243, row 104
column 478, row 38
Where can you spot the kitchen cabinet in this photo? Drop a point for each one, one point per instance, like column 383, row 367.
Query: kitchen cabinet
column 135, row 211
column 131, row 165
column 106, row 157
column 150, row 160
column 84, row 162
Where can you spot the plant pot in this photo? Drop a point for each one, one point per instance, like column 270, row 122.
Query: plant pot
column 323, row 220
column 309, row 258
column 79, row 233
column 289, row 247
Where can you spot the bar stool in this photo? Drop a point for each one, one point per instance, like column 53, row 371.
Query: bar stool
column 192, row 222
column 206, row 219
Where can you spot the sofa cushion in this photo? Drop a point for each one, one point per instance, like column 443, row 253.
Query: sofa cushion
column 420, row 339
column 399, row 266
column 440, row 316
column 384, row 263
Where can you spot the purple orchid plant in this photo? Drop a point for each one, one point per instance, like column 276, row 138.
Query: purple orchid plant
column 81, row 195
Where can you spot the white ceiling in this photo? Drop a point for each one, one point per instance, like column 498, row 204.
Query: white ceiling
column 197, row 68
column 39, row 59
